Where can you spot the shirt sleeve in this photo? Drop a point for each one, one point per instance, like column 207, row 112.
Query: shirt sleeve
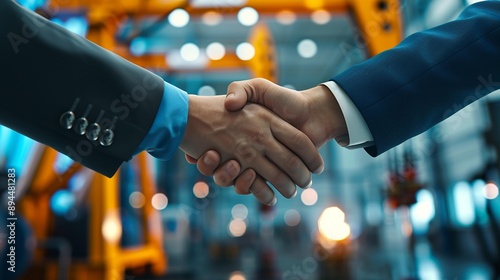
column 359, row 134
column 168, row 128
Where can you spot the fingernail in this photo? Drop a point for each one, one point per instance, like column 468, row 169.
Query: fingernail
column 309, row 185
column 249, row 176
column 294, row 194
column 273, row 202
column 231, row 169
column 207, row 160
column 319, row 170
column 230, row 95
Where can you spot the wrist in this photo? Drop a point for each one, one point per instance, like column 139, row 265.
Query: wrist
column 197, row 125
column 324, row 106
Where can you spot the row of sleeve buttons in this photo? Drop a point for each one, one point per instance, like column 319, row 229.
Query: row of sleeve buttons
column 80, row 126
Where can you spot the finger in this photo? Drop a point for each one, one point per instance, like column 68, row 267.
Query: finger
column 290, row 164
column 227, row 173
column 305, row 152
column 208, row 163
column 190, row 159
column 243, row 183
column 239, row 93
column 277, row 177
column 263, row 192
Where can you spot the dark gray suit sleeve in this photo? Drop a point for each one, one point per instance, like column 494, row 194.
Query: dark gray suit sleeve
column 428, row 77
column 47, row 71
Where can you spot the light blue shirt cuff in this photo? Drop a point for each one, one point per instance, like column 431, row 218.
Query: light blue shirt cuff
column 359, row 133
column 165, row 135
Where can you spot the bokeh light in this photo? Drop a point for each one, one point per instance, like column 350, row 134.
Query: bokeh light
column 178, row 18
column 78, row 25
column 190, row 52
column 215, row 51
column 138, row 46
column 292, row 217
column 286, row 17
column 307, row 48
column 137, row 199
column 201, row 189
column 331, row 224
column 320, row 17
column 206, row 91
column 239, row 211
column 112, row 227
column 237, row 227
column 237, row 275
column 245, row 51
column 309, row 197
column 62, row 201
column 211, row 18
column 248, row 16
column 490, row 191
column 159, row 201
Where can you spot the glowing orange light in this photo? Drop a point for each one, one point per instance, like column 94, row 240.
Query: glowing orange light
column 237, row 275
column 286, row 17
column 331, row 224
column 200, row 189
column 211, row 18
column 320, row 17
column 159, row 201
column 112, row 227
column 237, row 227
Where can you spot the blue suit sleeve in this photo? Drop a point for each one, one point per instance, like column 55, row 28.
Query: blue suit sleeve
column 168, row 128
column 428, row 77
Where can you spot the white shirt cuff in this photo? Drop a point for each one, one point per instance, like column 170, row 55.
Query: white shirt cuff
column 359, row 134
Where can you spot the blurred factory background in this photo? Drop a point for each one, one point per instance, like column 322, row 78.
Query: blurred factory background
column 428, row 209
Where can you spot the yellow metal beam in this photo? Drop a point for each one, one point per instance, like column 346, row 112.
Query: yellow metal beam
column 379, row 23
column 158, row 7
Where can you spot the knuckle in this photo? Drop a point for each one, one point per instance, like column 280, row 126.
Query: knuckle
column 298, row 138
column 294, row 163
column 234, row 84
column 246, row 151
column 263, row 137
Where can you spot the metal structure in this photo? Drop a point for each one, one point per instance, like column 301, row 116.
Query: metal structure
column 106, row 258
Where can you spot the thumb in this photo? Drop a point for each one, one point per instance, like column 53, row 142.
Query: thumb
column 241, row 92
column 236, row 96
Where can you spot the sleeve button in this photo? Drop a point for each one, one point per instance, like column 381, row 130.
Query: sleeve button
column 106, row 137
column 66, row 120
column 93, row 132
column 80, row 126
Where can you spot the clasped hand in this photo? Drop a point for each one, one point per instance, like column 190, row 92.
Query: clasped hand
column 275, row 146
column 256, row 139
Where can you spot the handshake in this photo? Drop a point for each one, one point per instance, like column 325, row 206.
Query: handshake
column 262, row 132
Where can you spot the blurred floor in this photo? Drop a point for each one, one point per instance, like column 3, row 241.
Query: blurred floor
column 365, row 264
